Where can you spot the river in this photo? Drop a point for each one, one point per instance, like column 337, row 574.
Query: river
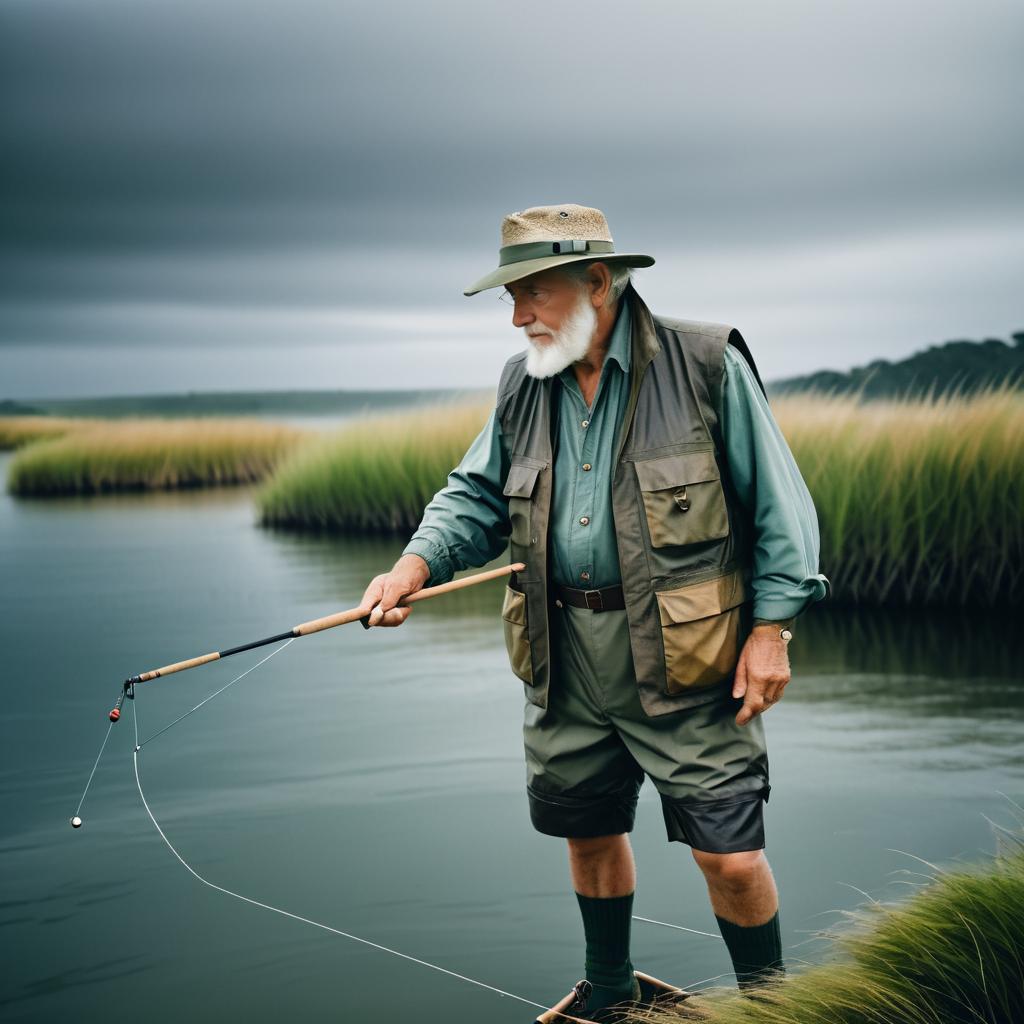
column 373, row 781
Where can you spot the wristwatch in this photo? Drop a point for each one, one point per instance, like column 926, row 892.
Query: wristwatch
column 785, row 627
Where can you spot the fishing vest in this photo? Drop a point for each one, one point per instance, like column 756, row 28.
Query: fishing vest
column 685, row 541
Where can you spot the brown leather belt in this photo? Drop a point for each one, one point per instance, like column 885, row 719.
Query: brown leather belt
column 607, row 599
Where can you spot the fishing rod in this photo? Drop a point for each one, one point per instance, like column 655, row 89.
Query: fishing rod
column 303, row 629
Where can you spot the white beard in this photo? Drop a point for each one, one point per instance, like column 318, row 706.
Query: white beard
column 568, row 345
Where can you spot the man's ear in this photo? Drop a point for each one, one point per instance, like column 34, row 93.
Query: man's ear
column 599, row 278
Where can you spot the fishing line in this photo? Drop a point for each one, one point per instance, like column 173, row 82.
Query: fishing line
column 306, row 920
column 711, row 935
column 217, row 693
column 76, row 821
column 129, row 691
column 677, row 927
column 296, row 917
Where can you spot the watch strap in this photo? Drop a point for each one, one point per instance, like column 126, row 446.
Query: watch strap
column 781, row 623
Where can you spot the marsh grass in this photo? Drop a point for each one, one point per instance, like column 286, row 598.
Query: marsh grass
column 16, row 431
column 952, row 952
column 131, row 455
column 918, row 501
column 374, row 476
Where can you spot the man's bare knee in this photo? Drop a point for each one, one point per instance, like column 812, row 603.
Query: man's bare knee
column 602, row 866
column 732, row 870
column 595, row 846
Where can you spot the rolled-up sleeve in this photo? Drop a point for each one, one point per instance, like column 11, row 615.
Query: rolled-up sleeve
column 466, row 523
column 769, row 484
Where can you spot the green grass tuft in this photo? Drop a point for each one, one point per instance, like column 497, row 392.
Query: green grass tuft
column 953, row 952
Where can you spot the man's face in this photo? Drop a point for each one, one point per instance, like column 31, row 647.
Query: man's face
column 558, row 318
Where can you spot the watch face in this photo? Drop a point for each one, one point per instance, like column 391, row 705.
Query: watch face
column 786, row 635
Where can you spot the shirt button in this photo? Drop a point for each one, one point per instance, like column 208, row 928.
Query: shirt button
column 584, row 520
column 587, row 467
column 584, row 575
column 584, row 423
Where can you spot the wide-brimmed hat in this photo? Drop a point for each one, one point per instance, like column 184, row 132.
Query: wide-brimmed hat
column 547, row 236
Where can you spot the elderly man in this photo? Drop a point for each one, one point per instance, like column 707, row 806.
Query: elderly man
column 669, row 542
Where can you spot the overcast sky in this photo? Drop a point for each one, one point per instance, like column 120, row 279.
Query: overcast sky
column 265, row 194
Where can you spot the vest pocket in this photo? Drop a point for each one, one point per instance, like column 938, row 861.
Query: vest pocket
column 519, row 485
column 517, row 640
column 703, row 626
column 683, row 499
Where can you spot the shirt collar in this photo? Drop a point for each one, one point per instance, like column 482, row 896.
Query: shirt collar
column 618, row 348
column 620, row 343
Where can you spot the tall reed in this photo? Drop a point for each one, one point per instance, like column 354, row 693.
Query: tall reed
column 124, row 455
column 918, row 501
column 374, row 476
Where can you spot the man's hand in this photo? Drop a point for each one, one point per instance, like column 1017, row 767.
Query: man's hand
column 409, row 574
column 761, row 673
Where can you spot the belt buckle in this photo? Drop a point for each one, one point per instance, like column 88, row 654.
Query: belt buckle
column 596, row 596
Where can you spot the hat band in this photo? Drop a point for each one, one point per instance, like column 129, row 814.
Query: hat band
column 535, row 250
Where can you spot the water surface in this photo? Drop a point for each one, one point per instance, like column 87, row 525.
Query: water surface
column 373, row 781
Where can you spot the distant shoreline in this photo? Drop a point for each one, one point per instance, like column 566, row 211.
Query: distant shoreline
column 958, row 367
column 241, row 403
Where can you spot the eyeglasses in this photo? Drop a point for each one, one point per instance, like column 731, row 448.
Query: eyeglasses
column 539, row 297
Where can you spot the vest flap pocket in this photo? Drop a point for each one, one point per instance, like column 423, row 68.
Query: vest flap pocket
column 699, row 600
column 683, row 499
column 521, row 480
column 513, row 608
column 676, row 470
column 519, row 487
column 703, row 626
column 517, row 635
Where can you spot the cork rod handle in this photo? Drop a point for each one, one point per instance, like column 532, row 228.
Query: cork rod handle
column 340, row 618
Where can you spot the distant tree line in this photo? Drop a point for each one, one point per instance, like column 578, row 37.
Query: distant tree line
column 8, row 407
column 956, row 366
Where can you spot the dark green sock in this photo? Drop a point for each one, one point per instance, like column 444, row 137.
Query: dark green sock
column 606, row 925
column 756, row 951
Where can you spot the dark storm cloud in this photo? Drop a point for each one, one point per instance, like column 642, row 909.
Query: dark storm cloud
column 234, row 156
column 193, row 123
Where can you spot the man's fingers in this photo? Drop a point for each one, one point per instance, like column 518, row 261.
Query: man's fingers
column 374, row 592
column 379, row 607
column 755, row 701
column 394, row 591
column 739, row 685
column 759, row 698
column 752, row 706
column 391, row 617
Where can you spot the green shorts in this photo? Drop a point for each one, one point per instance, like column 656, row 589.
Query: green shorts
column 587, row 753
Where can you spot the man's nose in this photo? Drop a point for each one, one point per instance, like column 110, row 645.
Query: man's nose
column 521, row 316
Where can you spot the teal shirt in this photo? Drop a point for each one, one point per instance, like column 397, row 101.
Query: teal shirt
column 584, row 551
column 466, row 523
